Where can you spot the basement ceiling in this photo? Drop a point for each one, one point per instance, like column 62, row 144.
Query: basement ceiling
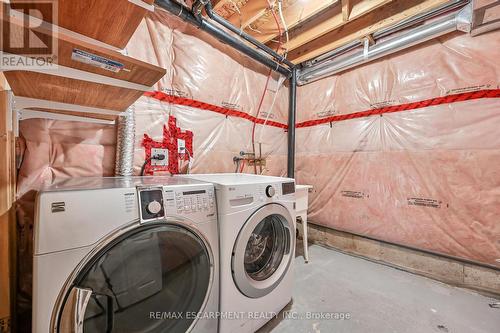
column 317, row 26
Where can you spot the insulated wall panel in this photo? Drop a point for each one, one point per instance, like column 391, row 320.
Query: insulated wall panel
column 444, row 66
column 425, row 177
column 216, row 138
column 201, row 68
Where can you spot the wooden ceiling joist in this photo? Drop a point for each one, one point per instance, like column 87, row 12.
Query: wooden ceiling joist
column 250, row 13
column 356, row 29
column 294, row 12
column 346, row 9
column 218, row 4
column 228, row 8
column 330, row 20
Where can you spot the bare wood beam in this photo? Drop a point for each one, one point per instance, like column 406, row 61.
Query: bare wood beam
column 219, row 3
column 250, row 13
column 346, row 10
column 362, row 27
column 7, row 208
column 7, row 183
column 370, row 39
column 294, row 14
column 329, row 21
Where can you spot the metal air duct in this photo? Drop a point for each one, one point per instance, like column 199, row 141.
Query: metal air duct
column 459, row 20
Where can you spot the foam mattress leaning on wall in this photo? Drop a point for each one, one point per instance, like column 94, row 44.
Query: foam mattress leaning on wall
column 426, row 177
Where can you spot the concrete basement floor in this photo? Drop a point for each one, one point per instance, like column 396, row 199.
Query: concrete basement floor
column 379, row 298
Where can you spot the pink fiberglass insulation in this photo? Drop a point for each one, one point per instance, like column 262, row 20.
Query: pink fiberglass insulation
column 216, row 138
column 201, row 68
column 440, row 67
column 54, row 149
column 426, row 178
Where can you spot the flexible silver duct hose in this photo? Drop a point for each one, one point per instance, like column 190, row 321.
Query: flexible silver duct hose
column 125, row 140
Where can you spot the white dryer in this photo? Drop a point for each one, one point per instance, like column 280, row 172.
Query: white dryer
column 126, row 255
column 257, row 240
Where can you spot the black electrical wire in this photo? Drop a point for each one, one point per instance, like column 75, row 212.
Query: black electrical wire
column 158, row 157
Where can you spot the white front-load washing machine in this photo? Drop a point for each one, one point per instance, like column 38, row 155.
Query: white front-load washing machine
column 126, row 255
column 256, row 217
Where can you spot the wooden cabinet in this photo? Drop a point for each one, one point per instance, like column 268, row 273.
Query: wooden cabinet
column 110, row 21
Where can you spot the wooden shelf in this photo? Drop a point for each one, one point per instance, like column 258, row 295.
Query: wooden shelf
column 90, row 84
column 133, row 70
column 110, row 21
column 60, row 89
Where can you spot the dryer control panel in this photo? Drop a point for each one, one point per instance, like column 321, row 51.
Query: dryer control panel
column 193, row 202
column 196, row 202
column 151, row 204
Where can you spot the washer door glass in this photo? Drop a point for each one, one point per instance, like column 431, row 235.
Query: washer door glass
column 263, row 250
column 149, row 281
column 266, row 247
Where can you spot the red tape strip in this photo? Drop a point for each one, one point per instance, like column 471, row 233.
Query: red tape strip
column 494, row 93
column 489, row 93
column 205, row 106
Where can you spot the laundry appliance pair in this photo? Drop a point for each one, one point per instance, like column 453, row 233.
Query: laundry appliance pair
column 148, row 254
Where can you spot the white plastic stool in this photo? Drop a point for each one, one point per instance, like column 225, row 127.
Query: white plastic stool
column 301, row 205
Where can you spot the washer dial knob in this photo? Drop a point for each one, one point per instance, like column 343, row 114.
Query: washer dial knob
column 270, row 191
column 154, row 207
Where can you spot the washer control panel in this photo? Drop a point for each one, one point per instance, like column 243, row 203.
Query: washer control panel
column 275, row 191
column 270, row 191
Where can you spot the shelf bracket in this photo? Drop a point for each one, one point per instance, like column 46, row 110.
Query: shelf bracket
column 26, row 103
column 20, row 111
column 32, row 114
